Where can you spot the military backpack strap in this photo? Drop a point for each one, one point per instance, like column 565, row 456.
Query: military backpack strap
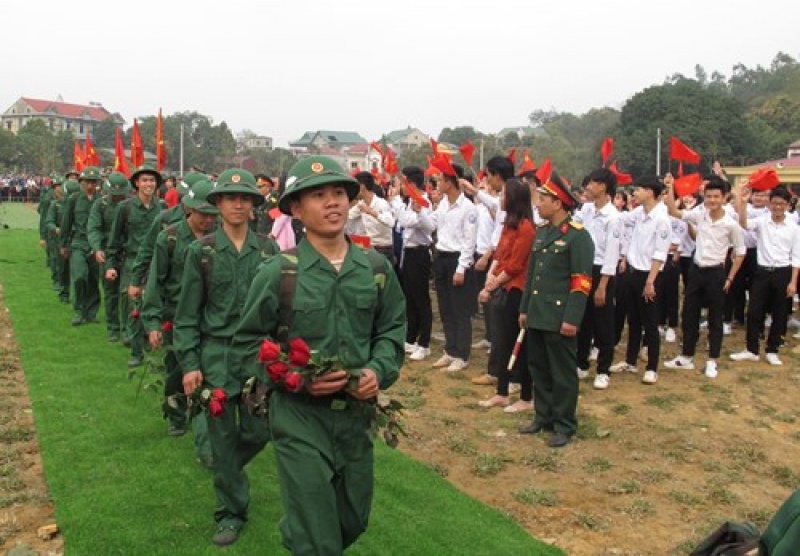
column 208, row 248
column 172, row 240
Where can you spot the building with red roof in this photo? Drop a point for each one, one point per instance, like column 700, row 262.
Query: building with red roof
column 79, row 119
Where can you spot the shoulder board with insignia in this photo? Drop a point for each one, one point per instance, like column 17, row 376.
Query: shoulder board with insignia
column 576, row 225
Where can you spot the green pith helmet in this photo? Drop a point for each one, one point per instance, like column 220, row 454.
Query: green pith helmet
column 146, row 169
column 236, row 180
column 197, row 198
column 313, row 172
column 57, row 180
column 72, row 172
column 91, row 173
column 71, row 186
column 118, row 184
column 183, row 186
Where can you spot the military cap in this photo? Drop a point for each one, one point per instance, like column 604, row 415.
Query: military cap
column 146, row 169
column 236, row 180
column 57, row 180
column 71, row 186
column 72, row 172
column 197, row 197
column 183, row 186
column 555, row 187
column 91, row 173
column 118, row 184
column 315, row 171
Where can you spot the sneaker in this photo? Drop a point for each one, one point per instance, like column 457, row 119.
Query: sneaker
column 494, row 401
column 680, row 362
column 484, row 380
column 711, row 369
column 176, row 430
column 457, row 364
column 420, row 353
column 796, row 335
column 726, row 328
column 623, row 366
column 226, row 534
column 519, row 406
column 650, row 377
column 772, row 359
column 582, row 374
column 514, row 388
column 593, row 354
column 134, row 362
column 670, row 336
column 482, row 344
column 745, row 356
column 601, row 382
column 443, row 361
column 410, row 348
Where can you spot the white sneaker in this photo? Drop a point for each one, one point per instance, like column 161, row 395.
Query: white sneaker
column 680, row 362
column 726, row 328
column 670, row 336
column 601, row 382
column 593, row 354
column 482, row 344
column 796, row 335
column 793, row 322
column 622, row 366
column 650, row 377
column 711, row 369
column 745, row 356
column 457, row 365
column 420, row 353
column 410, row 347
column 772, row 359
column 443, row 361
column 582, row 374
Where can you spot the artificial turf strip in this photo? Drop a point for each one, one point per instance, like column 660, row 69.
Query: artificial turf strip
column 121, row 486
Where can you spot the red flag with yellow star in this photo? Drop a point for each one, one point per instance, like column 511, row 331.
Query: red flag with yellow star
column 137, row 150
column 120, row 161
column 90, row 157
column 161, row 147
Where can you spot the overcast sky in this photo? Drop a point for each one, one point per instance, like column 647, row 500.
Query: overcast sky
column 281, row 67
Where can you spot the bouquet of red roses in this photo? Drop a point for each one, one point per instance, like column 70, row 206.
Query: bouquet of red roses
column 212, row 399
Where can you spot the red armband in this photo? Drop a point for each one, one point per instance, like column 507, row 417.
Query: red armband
column 580, row 283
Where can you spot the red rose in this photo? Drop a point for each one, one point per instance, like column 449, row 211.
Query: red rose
column 215, row 408
column 277, row 371
column 135, row 314
column 294, row 382
column 167, row 326
column 270, row 351
column 219, row 395
column 299, row 352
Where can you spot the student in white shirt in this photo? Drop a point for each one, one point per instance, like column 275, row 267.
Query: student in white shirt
column 371, row 216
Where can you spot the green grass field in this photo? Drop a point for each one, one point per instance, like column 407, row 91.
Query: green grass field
column 121, row 486
column 19, row 216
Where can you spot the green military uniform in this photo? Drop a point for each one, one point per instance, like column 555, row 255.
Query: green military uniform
column 556, row 290
column 101, row 218
column 158, row 307
column 84, row 270
column 53, row 227
column 214, row 285
column 45, row 199
column 131, row 224
column 323, row 445
column 262, row 220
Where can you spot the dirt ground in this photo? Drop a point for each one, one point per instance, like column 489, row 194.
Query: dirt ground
column 653, row 470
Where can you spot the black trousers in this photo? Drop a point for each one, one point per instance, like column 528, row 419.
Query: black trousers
column 596, row 326
column 505, row 316
column 669, row 301
column 742, row 283
column 620, row 304
column 416, row 278
column 705, row 285
column 642, row 317
column 768, row 295
column 455, row 305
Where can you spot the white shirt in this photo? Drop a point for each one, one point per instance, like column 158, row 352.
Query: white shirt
column 714, row 238
column 378, row 229
column 651, row 236
column 456, row 229
column 416, row 232
column 686, row 244
column 750, row 239
column 485, row 233
column 778, row 244
column 605, row 227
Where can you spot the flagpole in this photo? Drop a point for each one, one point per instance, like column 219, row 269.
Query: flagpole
column 658, row 151
column 181, row 164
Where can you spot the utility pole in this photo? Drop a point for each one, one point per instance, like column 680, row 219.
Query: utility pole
column 658, row 151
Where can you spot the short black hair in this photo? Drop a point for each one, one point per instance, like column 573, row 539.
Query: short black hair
column 781, row 192
column 459, row 174
column 502, row 166
column 414, row 174
column 366, row 179
column 606, row 177
column 714, row 182
column 652, row 182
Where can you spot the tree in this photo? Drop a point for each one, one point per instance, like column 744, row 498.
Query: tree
column 104, row 133
column 459, row 135
column 37, row 147
column 8, row 148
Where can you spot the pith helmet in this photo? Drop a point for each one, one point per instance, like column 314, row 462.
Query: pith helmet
column 118, row 184
column 314, row 171
column 91, row 173
column 71, row 186
column 185, row 185
column 146, row 169
column 236, row 180
column 197, row 197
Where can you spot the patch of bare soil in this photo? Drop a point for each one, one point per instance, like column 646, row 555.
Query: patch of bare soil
column 653, row 469
column 25, row 504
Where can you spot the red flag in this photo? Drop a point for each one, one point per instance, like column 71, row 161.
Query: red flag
column 415, row 195
column 763, row 179
column 606, row 149
column 527, row 164
column 442, row 163
column 375, row 146
column 363, row 241
column 467, row 150
column 355, row 171
column 77, row 156
column 545, row 170
column 512, row 155
column 120, row 161
column 391, row 162
column 680, row 169
column 90, row 157
column 687, row 185
column 137, row 150
column 161, row 147
column 680, row 151
column 434, row 146
column 622, row 179
column 376, row 173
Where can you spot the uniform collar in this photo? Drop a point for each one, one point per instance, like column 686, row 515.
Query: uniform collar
column 224, row 242
column 308, row 256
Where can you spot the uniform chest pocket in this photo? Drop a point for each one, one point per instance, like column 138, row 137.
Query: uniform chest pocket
column 309, row 318
column 365, row 306
column 222, row 280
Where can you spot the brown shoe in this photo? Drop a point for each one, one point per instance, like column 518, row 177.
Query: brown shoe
column 484, row 380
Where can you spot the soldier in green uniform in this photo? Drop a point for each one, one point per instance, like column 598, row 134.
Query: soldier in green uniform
column 161, row 297
column 347, row 306
column 83, row 269
column 552, row 306
column 217, row 274
column 263, row 215
column 101, row 219
column 132, row 221
column 53, row 227
column 45, row 239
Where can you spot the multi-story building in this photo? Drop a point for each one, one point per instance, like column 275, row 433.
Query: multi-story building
column 79, row 119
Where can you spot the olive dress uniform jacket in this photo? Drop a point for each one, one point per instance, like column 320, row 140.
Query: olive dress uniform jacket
column 131, row 224
column 75, row 219
column 559, row 276
column 164, row 219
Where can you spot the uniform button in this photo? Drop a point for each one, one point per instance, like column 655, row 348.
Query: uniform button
column 535, row 292
column 558, row 302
